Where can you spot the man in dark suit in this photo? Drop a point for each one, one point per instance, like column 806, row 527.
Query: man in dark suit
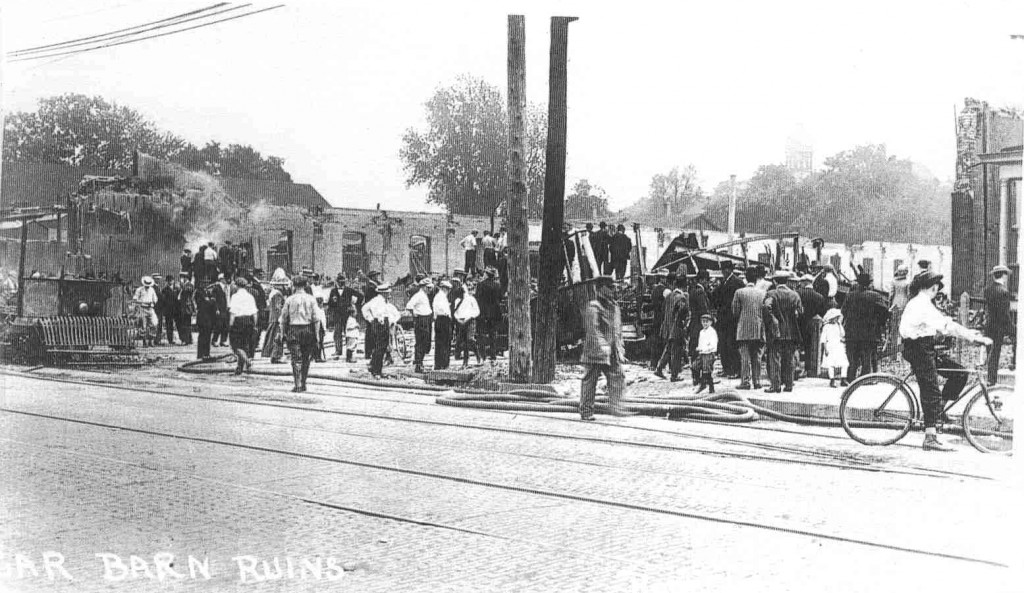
column 206, row 320
column 369, row 292
column 998, row 323
column 674, row 323
column 169, row 307
column 721, row 300
column 783, row 309
column 619, row 251
column 226, row 256
column 220, row 329
column 658, row 293
column 488, row 298
column 864, row 315
column 599, row 243
column 814, row 306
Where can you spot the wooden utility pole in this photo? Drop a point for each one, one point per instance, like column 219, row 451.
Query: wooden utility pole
column 520, row 338
column 546, row 343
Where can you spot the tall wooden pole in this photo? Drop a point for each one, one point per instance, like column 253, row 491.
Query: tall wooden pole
column 546, row 343
column 520, row 338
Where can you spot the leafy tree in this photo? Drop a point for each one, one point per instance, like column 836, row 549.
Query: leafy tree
column 462, row 156
column 671, row 200
column 586, row 201
column 85, row 131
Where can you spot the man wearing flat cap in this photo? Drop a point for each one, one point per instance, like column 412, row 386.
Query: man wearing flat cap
column 998, row 323
column 603, row 350
column 920, row 325
column 864, row 316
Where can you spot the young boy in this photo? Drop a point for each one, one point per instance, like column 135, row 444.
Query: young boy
column 707, row 346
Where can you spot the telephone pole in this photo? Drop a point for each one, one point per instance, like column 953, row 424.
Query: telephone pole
column 520, row 339
column 545, row 345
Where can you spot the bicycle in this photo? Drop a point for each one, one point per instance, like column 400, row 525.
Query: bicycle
column 881, row 408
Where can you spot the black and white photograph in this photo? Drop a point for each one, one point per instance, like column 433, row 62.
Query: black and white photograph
column 672, row 297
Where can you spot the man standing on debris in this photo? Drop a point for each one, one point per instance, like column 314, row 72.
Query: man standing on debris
column 490, row 255
column 298, row 323
column 619, row 251
column 242, row 312
column 599, row 245
column 675, row 321
column 782, row 305
column 145, row 299
column 468, row 244
column 746, row 306
column 423, row 320
column 864, row 315
column 721, row 299
column 442, row 327
column 380, row 314
column 998, row 323
column 699, row 305
column 488, row 297
column 603, row 350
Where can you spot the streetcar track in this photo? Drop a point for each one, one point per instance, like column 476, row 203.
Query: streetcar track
column 850, row 464
column 520, row 489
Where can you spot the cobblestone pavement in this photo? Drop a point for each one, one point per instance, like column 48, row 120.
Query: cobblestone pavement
column 407, row 495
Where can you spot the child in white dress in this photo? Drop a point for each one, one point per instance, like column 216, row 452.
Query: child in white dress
column 833, row 347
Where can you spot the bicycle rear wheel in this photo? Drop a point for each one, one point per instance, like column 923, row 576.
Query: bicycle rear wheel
column 877, row 409
column 988, row 421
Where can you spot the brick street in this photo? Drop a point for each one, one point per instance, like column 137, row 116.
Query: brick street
column 407, row 495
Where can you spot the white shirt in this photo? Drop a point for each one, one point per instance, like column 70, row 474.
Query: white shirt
column 921, row 319
column 377, row 309
column 467, row 309
column 707, row 341
column 210, row 254
column 419, row 304
column 145, row 295
column 833, row 285
column 501, row 242
column 242, row 303
column 488, row 242
column 442, row 308
column 469, row 243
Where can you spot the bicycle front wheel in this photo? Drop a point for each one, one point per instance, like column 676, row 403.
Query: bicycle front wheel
column 988, row 420
column 877, row 409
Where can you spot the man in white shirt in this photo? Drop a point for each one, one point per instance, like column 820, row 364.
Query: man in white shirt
column 442, row 327
column 145, row 299
column 242, row 313
column 489, row 243
column 299, row 325
column 422, row 316
column 380, row 314
column 466, row 310
column 468, row 244
column 920, row 325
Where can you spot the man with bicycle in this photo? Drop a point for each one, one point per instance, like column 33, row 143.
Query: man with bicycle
column 920, row 325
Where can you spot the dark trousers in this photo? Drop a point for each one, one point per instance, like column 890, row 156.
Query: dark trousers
column 381, row 332
column 691, row 350
column 203, row 343
column 780, row 363
column 750, row 362
column 993, row 359
column 243, row 330
column 490, row 259
column 442, row 342
column 369, row 341
column 672, row 355
column 221, row 330
column 921, row 355
column 167, row 319
column 620, row 268
column 860, row 354
column 607, row 268
column 465, row 341
column 421, row 330
column 655, row 345
column 273, row 343
column 488, row 339
column 727, row 350
column 470, row 262
column 184, row 323
column 588, row 387
column 340, row 321
column 302, row 346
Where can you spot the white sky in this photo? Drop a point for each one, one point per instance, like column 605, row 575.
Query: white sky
column 331, row 86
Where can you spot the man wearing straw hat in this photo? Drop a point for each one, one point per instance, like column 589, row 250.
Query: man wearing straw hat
column 273, row 342
column 423, row 319
column 145, row 299
column 380, row 314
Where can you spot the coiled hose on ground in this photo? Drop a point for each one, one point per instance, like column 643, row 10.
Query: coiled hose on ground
column 726, row 406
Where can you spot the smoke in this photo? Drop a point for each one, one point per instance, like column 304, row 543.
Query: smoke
column 201, row 210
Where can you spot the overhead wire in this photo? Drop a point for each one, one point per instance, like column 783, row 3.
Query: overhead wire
column 109, row 35
column 104, row 46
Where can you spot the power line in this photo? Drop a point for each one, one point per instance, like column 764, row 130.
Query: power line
column 82, row 51
column 94, row 38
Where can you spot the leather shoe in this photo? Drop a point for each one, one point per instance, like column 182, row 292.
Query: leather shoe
column 659, row 374
column 934, row 444
column 787, row 389
column 587, row 418
column 772, row 390
column 744, row 387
